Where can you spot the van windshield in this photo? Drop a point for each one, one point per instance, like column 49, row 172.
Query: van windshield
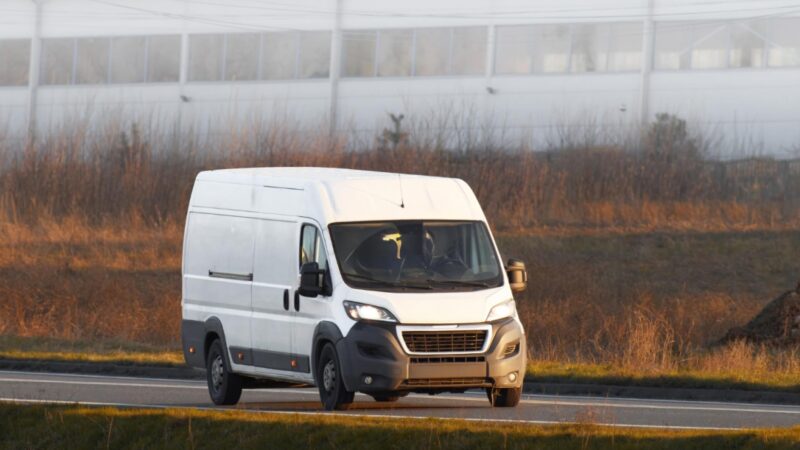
column 416, row 255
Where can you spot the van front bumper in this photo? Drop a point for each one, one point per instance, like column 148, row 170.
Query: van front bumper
column 373, row 361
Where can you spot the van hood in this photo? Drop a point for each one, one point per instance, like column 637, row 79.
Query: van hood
column 434, row 307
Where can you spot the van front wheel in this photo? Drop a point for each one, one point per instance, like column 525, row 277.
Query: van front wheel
column 504, row 398
column 224, row 386
column 332, row 392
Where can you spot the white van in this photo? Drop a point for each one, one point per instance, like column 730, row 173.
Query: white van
column 352, row 281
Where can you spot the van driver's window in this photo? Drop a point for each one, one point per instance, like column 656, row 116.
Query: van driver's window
column 311, row 247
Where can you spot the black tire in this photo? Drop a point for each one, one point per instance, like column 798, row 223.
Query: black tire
column 224, row 386
column 386, row 398
column 332, row 392
column 504, row 398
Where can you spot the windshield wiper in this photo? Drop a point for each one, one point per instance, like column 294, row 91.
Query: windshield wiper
column 387, row 283
column 461, row 283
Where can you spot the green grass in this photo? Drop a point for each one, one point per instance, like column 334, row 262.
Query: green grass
column 79, row 427
column 605, row 374
column 51, row 349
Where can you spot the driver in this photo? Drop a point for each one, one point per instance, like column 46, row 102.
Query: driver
column 417, row 247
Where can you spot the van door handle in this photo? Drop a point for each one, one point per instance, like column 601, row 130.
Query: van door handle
column 286, row 299
column 296, row 300
column 231, row 276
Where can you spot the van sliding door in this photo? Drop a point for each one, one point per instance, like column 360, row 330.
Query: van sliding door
column 273, row 290
column 218, row 274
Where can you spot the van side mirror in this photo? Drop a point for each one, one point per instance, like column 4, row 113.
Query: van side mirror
column 517, row 275
column 312, row 280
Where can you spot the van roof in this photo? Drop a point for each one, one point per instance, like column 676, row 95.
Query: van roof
column 336, row 195
column 290, row 175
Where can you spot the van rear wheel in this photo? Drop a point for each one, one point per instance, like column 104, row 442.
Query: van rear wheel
column 224, row 386
column 332, row 392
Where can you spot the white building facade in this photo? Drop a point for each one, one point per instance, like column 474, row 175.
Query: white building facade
column 528, row 70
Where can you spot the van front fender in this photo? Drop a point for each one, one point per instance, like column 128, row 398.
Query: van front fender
column 324, row 332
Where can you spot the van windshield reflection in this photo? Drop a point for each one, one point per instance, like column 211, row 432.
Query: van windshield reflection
column 416, row 255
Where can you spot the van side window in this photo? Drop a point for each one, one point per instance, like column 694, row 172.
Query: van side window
column 312, row 248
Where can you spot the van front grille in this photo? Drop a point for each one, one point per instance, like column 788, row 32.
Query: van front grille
column 444, row 341
column 447, row 359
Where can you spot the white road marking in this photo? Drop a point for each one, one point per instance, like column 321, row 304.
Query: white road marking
column 374, row 416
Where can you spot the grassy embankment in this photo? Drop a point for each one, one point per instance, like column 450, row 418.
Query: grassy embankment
column 76, row 427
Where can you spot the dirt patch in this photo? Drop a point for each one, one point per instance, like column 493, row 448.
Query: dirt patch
column 778, row 324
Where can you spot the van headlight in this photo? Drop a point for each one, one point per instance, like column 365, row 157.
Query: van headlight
column 360, row 311
column 502, row 311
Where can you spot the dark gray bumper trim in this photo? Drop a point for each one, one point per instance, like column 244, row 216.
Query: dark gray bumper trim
column 270, row 360
column 373, row 350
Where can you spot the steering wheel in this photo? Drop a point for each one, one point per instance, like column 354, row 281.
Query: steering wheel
column 452, row 264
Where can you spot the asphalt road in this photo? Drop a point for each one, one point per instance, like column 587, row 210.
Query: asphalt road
column 30, row 387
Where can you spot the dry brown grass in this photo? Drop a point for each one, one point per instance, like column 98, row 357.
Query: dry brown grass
column 71, row 281
column 653, row 304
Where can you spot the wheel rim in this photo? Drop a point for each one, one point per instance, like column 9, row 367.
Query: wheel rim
column 217, row 373
column 329, row 376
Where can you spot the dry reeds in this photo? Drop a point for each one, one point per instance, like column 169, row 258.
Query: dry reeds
column 663, row 181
